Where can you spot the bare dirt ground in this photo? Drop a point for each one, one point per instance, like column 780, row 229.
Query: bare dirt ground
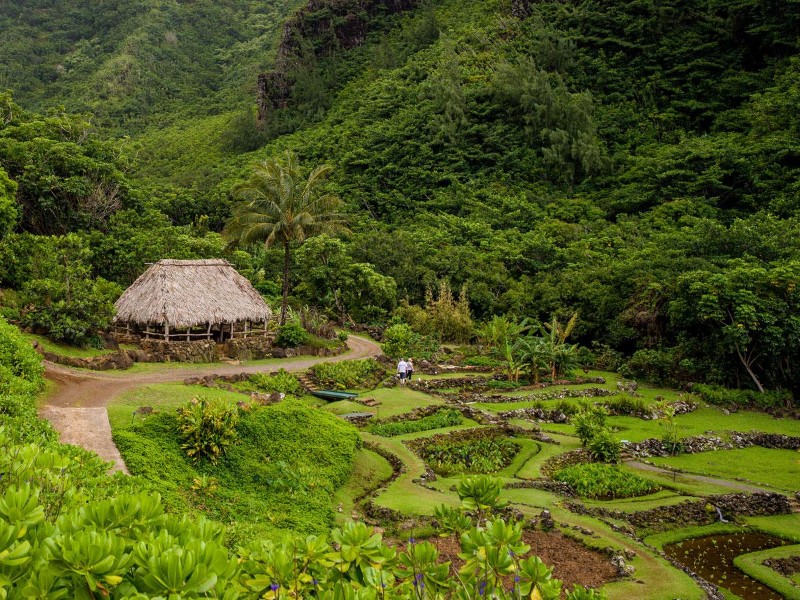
column 571, row 562
column 77, row 406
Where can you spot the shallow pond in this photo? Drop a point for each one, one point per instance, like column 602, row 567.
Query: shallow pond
column 712, row 556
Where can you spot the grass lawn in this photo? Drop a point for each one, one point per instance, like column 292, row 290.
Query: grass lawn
column 403, row 494
column 66, row 350
column 700, row 422
column 398, row 400
column 639, row 503
column 753, row 565
column 370, row 470
column 532, row 467
column 762, row 466
column 785, row 526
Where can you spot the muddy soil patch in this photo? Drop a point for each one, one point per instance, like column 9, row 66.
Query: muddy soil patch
column 571, row 562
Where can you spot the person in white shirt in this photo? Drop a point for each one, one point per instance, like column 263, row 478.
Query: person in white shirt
column 402, row 367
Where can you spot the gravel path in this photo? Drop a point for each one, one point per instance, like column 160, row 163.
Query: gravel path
column 77, row 407
column 734, row 485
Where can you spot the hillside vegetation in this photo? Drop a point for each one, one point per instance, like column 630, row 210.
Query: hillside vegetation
column 637, row 163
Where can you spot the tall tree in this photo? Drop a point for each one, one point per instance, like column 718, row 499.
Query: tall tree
column 278, row 205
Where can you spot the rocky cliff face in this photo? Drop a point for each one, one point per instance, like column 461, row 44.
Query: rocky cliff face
column 319, row 29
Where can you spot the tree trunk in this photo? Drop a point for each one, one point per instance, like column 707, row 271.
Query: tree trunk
column 749, row 370
column 285, row 301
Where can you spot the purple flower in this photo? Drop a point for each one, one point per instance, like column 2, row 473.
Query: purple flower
column 482, row 588
column 411, row 540
column 274, row 587
column 315, row 582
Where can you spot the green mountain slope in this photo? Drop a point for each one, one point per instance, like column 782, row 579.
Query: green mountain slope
column 126, row 61
column 635, row 161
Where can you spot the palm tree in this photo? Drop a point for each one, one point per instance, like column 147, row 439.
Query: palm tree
column 278, row 205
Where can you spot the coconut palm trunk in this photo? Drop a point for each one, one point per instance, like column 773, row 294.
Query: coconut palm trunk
column 285, row 300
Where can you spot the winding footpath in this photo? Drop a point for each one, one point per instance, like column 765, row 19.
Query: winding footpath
column 77, row 406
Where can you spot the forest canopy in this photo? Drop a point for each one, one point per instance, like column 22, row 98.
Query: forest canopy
column 635, row 162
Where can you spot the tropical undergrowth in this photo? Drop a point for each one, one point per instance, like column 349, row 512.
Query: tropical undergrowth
column 348, row 373
column 282, row 381
column 278, row 475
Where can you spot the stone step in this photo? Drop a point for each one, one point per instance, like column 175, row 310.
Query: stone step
column 307, row 383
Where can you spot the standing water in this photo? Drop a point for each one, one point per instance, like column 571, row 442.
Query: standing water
column 711, row 557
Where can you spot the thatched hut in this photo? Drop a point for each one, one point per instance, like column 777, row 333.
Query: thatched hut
column 184, row 300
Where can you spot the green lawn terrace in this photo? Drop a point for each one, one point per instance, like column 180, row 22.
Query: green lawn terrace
column 392, row 486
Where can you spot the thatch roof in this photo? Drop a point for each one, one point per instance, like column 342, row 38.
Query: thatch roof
column 188, row 293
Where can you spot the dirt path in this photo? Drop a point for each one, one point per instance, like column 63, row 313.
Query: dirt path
column 77, row 406
column 734, row 485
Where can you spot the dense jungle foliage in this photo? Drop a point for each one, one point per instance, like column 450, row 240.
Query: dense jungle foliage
column 635, row 162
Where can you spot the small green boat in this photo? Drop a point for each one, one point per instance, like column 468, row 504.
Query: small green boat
column 333, row 396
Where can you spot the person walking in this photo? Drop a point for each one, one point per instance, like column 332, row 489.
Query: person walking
column 402, row 368
column 409, row 369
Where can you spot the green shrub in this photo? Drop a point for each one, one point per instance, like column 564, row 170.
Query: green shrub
column 588, row 421
column 20, row 381
column 447, row 417
column 206, row 428
column 291, row 335
column 342, row 336
column 606, row 482
column 660, row 366
column 720, row 396
column 443, row 317
column 348, row 373
column 604, row 447
column 62, row 298
column 282, row 381
column 401, row 341
column 482, row 361
column 502, row 384
column 628, row 406
column 480, row 454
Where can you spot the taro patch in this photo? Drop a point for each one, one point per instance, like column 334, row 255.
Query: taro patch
column 712, row 556
column 475, row 451
column 605, row 482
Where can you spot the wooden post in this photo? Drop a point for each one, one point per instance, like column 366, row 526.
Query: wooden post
column 188, row 331
column 208, row 331
column 147, row 332
column 246, row 323
column 166, row 331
